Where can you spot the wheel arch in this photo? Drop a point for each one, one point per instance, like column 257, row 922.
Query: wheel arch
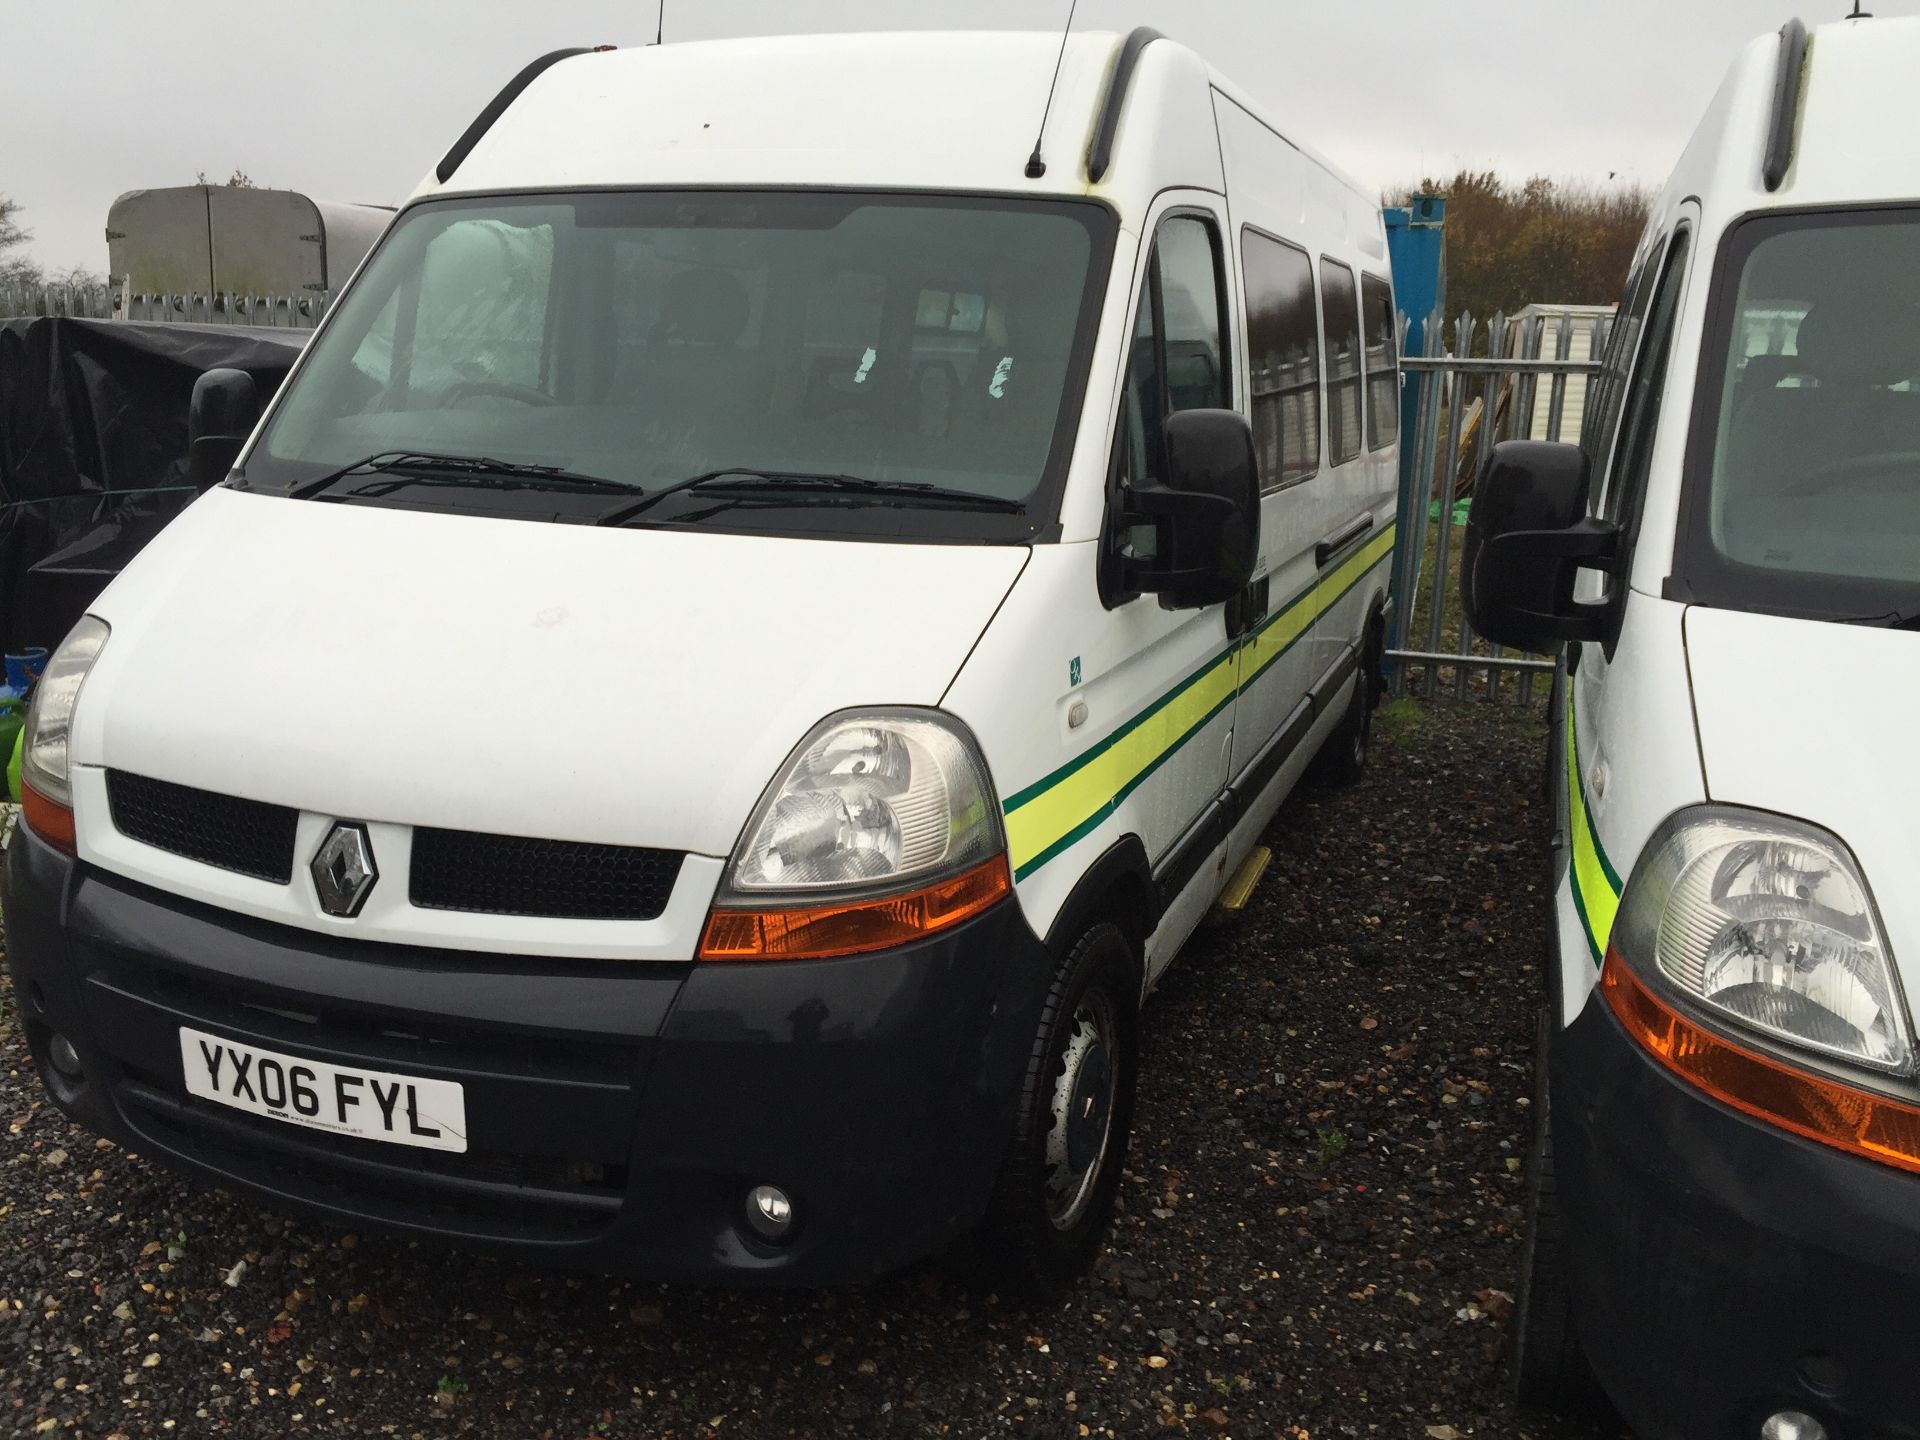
column 1373, row 641
column 1117, row 886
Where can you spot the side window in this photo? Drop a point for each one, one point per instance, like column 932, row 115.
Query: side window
column 1143, row 403
column 1177, row 360
column 1283, row 359
column 1608, row 389
column 374, row 358
column 1641, row 411
column 1341, row 306
column 1383, row 375
column 1190, row 295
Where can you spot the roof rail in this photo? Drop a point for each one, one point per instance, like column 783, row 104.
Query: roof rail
column 463, row 147
column 1786, row 103
column 1100, row 152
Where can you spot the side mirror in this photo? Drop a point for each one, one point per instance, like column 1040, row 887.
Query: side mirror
column 221, row 415
column 1528, row 537
column 1206, row 517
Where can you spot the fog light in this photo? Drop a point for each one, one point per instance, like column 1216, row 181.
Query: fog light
column 769, row 1212
column 1792, row 1425
column 64, row 1057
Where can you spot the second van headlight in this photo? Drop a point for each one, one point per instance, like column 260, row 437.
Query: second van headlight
column 1767, row 923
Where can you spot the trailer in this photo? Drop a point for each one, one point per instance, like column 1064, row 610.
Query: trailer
column 236, row 240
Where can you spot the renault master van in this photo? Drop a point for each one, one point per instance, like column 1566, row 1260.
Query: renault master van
column 1727, row 1192
column 762, row 620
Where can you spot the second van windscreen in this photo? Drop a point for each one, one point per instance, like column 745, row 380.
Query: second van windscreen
column 1810, row 503
column 646, row 338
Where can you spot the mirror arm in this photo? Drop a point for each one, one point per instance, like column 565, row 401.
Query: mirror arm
column 1588, row 544
column 1151, row 503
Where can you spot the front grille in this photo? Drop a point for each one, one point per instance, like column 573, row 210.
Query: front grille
column 245, row 836
column 452, row 869
column 554, row 879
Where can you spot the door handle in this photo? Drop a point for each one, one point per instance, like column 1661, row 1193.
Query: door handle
column 1340, row 539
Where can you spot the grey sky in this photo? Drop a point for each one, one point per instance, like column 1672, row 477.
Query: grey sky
column 355, row 99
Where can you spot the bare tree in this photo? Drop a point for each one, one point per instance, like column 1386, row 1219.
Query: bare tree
column 15, row 267
column 239, row 180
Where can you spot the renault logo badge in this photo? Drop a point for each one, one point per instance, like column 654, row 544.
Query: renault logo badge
column 343, row 870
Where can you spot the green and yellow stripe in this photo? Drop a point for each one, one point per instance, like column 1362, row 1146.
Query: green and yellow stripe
column 1054, row 813
column 1596, row 884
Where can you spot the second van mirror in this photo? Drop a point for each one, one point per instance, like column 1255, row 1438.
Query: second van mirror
column 1207, row 515
column 222, row 413
column 1528, row 537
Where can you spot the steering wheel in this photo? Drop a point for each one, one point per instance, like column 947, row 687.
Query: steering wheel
column 501, row 389
column 1852, row 470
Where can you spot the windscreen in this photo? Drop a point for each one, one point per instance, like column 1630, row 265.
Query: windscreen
column 1813, row 491
column 647, row 337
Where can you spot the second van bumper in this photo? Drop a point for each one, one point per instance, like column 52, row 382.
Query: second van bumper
column 618, row 1113
column 1724, row 1270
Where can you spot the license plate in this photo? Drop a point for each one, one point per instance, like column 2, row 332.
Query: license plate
column 341, row 1099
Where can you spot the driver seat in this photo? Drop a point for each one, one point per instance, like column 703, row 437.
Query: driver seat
column 1780, row 436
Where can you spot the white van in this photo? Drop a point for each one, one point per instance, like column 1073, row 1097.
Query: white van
column 1727, row 1209
column 763, row 619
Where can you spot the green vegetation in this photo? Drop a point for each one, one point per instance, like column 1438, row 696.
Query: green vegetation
column 1333, row 1144
column 1398, row 720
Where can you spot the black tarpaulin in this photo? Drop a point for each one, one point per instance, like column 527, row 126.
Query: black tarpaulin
column 93, row 450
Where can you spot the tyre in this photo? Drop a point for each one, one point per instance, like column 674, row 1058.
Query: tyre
column 1343, row 758
column 1053, row 1199
column 1549, row 1370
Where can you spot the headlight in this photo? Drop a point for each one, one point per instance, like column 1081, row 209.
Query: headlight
column 1768, row 923
column 881, row 830
column 872, row 800
column 46, row 756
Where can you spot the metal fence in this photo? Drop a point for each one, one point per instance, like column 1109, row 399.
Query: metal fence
column 1498, row 381
column 118, row 302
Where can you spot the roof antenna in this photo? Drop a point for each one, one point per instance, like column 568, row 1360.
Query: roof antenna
column 1036, row 167
column 660, row 22
column 1858, row 13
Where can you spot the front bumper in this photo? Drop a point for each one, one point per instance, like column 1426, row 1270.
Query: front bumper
column 618, row 1112
column 1722, row 1269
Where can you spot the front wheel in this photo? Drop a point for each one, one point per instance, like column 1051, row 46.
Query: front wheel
column 1343, row 759
column 1054, row 1197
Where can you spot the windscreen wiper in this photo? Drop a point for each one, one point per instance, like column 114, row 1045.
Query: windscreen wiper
column 1908, row 619
column 747, row 479
column 422, row 467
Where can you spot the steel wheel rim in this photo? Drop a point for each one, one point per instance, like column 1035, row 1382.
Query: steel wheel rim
column 1366, row 723
column 1081, row 1110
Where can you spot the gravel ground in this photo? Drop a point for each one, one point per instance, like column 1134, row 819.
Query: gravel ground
column 1319, row 1230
